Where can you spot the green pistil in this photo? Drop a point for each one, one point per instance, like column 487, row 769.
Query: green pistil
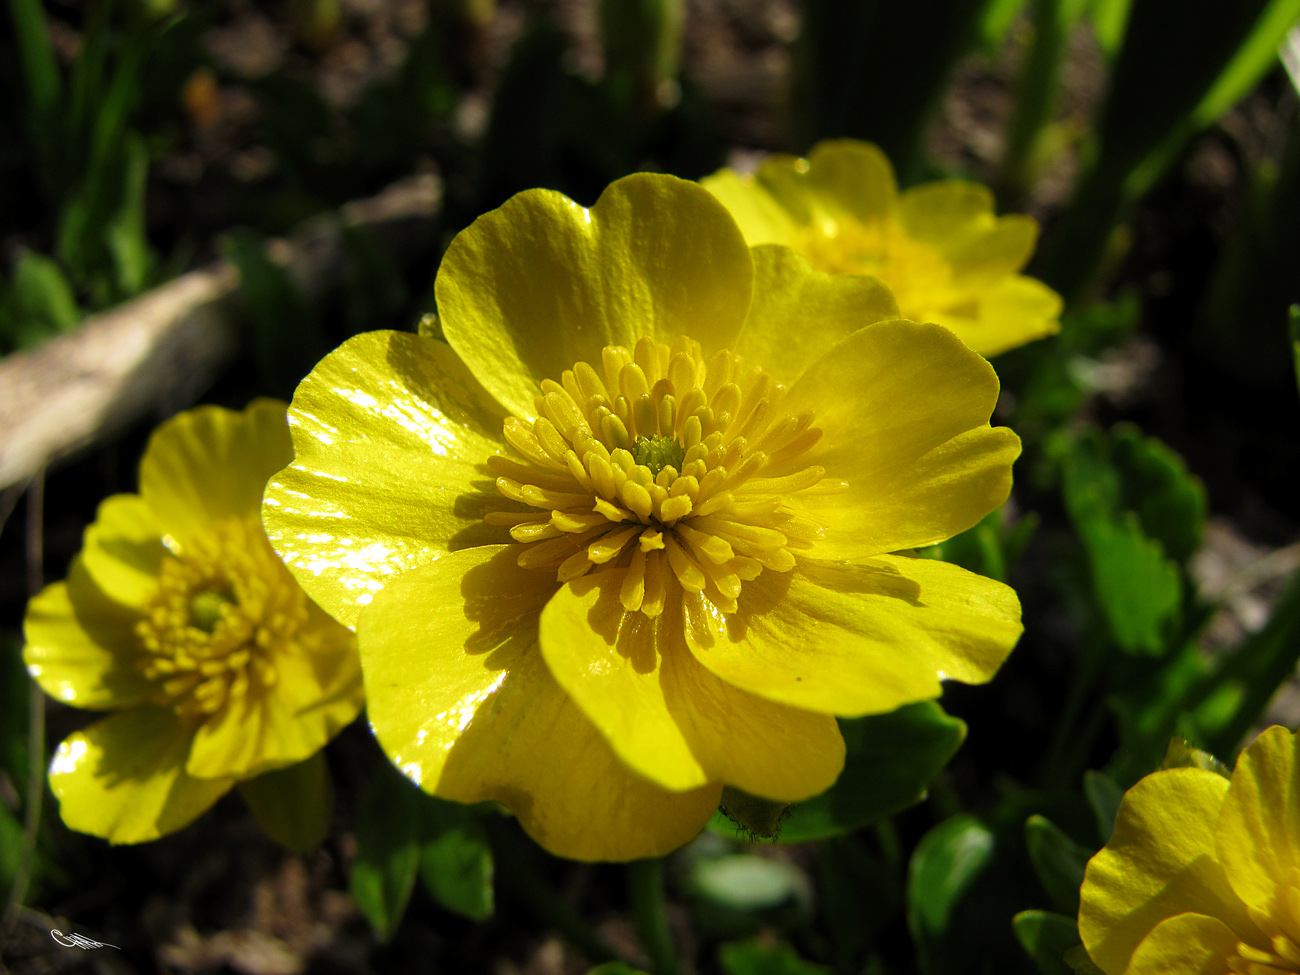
column 205, row 609
column 657, row 452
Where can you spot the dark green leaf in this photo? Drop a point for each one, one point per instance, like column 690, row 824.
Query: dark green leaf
column 1058, row 861
column 1104, row 796
column 1294, row 325
column 944, row 865
column 456, row 859
column 859, row 894
column 294, row 805
column 41, row 300
column 389, row 831
column 746, row 883
column 762, row 957
column 1168, row 499
column 1047, row 937
column 889, row 761
column 125, row 232
column 615, row 968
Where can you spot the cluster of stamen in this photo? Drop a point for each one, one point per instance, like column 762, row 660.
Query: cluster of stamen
column 225, row 609
column 664, row 466
column 1282, row 928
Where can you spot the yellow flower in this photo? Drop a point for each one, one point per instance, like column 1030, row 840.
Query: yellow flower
column 178, row 617
column 1202, row 874
column 600, row 562
column 938, row 246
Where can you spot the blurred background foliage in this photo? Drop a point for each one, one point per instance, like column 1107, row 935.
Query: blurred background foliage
column 1151, row 535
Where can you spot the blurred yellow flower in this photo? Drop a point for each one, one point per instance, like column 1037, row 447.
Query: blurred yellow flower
column 1202, row 873
column 178, row 617
column 937, row 246
column 600, row 562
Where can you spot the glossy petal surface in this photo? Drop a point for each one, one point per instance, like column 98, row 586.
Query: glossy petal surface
column 462, row 702
column 1259, row 830
column 208, row 464
column 789, row 293
column 124, row 778
column 859, row 638
column 81, row 646
column 905, row 411
column 669, row 718
column 390, row 436
column 1189, row 944
column 1160, row 862
column 123, row 549
column 541, row 283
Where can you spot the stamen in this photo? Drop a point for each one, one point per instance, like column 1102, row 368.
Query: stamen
column 661, row 447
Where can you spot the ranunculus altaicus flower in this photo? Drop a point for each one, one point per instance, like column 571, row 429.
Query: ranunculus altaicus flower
column 179, row 619
column 939, row 247
column 628, row 534
column 1202, row 874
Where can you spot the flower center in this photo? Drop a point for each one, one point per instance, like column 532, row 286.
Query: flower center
column 918, row 275
column 662, row 466
column 225, row 609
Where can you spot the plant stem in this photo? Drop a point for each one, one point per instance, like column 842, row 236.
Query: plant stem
column 518, row 871
column 646, row 884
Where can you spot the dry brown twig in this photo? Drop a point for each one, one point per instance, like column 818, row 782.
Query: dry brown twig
column 158, row 352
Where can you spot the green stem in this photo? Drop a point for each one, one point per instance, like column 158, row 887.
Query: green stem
column 646, row 883
column 35, row 709
column 518, row 871
column 1054, row 770
column 1035, row 93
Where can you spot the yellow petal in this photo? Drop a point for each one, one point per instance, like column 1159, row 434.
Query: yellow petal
column 541, row 283
column 1016, row 311
column 1189, row 944
column 390, row 432
column 905, row 411
column 1004, row 249
column 461, row 700
column 785, row 179
column 123, row 549
column 860, row 638
column 81, row 646
column 760, row 217
column 854, row 177
column 669, row 718
column 948, row 215
column 1258, row 837
column 315, row 696
column 790, row 295
column 124, row 778
column 1159, row 863
column 211, row 463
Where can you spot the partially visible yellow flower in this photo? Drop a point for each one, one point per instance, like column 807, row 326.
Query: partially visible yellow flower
column 178, row 617
column 938, row 246
column 1202, row 874
column 629, row 534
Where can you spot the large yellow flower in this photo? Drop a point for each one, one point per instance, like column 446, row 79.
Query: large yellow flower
column 179, row 618
column 600, row 562
column 937, row 246
column 1202, row 874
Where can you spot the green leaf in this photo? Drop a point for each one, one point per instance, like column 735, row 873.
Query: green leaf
column 889, row 760
column 1108, row 20
column 389, row 831
column 746, row 883
column 944, row 865
column 1104, row 796
column 125, row 232
column 1047, row 937
column 615, row 968
column 758, row 956
column 1168, row 499
column 41, row 300
column 1138, row 590
column 990, row 548
column 456, row 859
column 1294, row 327
column 859, row 894
column 294, row 805
column 1058, row 861
column 36, row 54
